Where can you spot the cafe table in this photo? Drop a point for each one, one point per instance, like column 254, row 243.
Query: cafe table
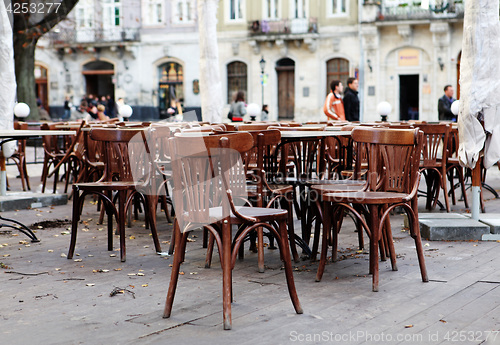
column 11, row 135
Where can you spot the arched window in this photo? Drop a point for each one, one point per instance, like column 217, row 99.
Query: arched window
column 170, row 89
column 336, row 69
column 236, row 79
column 41, row 85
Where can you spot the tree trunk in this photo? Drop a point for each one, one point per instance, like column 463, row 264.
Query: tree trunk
column 24, row 56
column 210, row 81
column 7, row 77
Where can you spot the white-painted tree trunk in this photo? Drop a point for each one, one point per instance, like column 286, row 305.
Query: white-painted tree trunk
column 7, row 75
column 210, row 80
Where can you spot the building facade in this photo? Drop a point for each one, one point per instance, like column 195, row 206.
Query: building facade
column 411, row 53
column 283, row 53
column 305, row 45
column 143, row 51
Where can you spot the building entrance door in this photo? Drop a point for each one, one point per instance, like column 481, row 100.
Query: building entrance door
column 285, row 69
column 408, row 97
column 99, row 78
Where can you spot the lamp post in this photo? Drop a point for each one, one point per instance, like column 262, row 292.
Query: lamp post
column 262, row 64
column 384, row 109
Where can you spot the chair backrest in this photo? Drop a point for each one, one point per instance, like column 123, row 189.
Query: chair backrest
column 453, row 143
column 126, row 153
column 262, row 158
column 397, row 151
column 51, row 143
column 21, row 143
column 208, row 170
column 435, row 145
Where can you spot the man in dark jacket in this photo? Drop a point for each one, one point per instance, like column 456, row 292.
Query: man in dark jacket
column 444, row 105
column 351, row 100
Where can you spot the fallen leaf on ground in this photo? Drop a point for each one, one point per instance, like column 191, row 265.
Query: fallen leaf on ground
column 144, row 285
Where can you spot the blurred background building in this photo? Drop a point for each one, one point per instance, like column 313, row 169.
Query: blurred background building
column 283, row 53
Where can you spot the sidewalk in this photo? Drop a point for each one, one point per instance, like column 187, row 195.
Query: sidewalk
column 48, row 299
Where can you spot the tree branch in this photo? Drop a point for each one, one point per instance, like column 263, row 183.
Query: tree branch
column 50, row 20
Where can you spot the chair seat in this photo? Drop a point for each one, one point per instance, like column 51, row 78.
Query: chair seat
column 339, row 188
column 371, row 198
column 260, row 213
column 113, row 185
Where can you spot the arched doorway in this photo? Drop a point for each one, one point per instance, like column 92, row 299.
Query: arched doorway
column 285, row 69
column 336, row 69
column 236, row 79
column 170, row 88
column 41, row 85
column 459, row 59
column 99, row 78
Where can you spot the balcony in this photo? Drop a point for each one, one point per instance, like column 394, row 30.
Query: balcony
column 96, row 37
column 411, row 10
column 283, row 27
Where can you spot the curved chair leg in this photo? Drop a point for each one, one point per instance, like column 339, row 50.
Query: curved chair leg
column 181, row 239
column 288, row 267
column 324, row 241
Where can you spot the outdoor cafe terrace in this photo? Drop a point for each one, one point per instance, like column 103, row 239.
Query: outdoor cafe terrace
column 368, row 279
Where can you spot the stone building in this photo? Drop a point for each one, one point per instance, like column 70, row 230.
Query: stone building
column 147, row 52
column 143, row 51
column 305, row 44
column 411, row 53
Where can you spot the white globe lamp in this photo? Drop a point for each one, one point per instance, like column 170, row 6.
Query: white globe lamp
column 384, row 109
column 455, row 107
column 21, row 110
column 253, row 110
column 125, row 111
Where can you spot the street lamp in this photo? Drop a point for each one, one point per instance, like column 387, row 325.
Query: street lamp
column 21, row 110
column 125, row 111
column 384, row 109
column 455, row 107
column 262, row 64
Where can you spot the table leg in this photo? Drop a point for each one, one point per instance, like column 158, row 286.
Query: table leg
column 3, row 176
column 3, row 191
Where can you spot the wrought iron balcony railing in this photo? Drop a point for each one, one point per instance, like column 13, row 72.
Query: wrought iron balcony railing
column 412, row 10
column 283, row 26
column 86, row 36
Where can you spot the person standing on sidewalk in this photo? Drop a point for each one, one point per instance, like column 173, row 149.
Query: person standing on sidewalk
column 334, row 107
column 351, row 100
column 444, row 105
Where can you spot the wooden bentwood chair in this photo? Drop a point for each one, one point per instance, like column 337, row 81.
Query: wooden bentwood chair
column 210, row 176
column 127, row 173
column 399, row 153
